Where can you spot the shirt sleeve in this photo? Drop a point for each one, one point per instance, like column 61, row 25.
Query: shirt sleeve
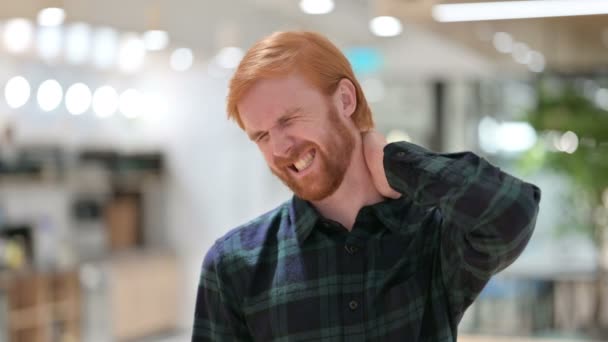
column 217, row 316
column 485, row 215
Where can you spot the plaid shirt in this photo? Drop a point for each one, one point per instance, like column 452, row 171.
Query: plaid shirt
column 406, row 272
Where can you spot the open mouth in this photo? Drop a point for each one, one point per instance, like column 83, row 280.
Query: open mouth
column 304, row 162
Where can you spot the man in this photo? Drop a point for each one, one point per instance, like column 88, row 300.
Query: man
column 379, row 243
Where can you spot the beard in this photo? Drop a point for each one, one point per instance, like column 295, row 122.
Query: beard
column 334, row 158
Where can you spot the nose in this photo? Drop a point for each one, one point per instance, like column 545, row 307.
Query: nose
column 281, row 144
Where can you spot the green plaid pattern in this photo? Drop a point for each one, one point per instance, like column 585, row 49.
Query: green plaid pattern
column 407, row 271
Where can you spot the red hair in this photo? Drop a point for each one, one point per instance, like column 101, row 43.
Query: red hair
column 310, row 54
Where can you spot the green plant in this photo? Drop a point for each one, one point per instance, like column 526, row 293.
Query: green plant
column 561, row 109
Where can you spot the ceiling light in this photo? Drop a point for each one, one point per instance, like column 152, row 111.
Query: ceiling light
column 316, row 6
column 601, row 98
column 132, row 53
column 155, row 40
column 385, row 26
column 181, row 59
column 477, row 11
column 568, row 142
column 516, row 136
column 17, row 91
column 105, row 101
column 49, row 41
column 507, row 137
column 105, row 42
column 78, row 43
column 18, row 35
column 78, row 99
column 49, row 95
column 52, row 16
column 521, row 53
column 536, row 62
column 503, row 42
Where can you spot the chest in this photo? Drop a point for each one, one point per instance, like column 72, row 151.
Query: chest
column 350, row 289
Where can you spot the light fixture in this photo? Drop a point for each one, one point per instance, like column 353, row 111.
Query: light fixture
column 51, row 16
column 78, row 43
column 105, row 42
column 229, row 57
column 508, row 137
column 503, row 42
column 78, row 98
column 130, row 103
column 155, row 40
column 316, row 6
column 385, row 26
column 154, row 37
column 521, row 53
column 49, row 95
column 500, row 10
column 17, row 92
column 568, row 142
column 18, row 35
column 516, row 136
column 49, row 41
column 601, row 98
column 105, row 101
column 132, row 53
column 181, row 59
column 537, row 62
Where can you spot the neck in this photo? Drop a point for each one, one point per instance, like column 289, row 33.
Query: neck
column 356, row 191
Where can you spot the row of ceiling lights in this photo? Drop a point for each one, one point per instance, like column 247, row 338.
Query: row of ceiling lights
column 104, row 47
column 128, row 52
column 477, row 11
column 521, row 52
column 105, row 101
column 381, row 26
column 526, row 9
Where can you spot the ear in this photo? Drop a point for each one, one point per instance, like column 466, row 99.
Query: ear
column 345, row 97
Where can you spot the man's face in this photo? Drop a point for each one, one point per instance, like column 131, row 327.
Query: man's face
column 303, row 137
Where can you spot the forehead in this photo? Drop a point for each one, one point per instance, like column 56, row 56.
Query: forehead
column 269, row 99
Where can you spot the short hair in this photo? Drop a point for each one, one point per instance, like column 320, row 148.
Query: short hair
column 309, row 53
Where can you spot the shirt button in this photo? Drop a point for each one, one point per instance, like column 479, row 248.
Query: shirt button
column 351, row 249
column 353, row 305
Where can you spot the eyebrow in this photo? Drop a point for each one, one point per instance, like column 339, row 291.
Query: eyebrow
column 284, row 117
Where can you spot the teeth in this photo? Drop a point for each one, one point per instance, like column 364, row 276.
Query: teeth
column 304, row 162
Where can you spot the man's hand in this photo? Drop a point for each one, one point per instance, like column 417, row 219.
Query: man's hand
column 373, row 146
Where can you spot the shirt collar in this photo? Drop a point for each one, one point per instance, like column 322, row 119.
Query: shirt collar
column 304, row 218
column 391, row 212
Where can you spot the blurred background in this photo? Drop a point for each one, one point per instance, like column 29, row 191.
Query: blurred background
column 119, row 169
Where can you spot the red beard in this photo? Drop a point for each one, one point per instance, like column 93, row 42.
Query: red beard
column 333, row 159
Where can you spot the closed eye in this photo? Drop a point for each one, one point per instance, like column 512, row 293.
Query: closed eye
column 261, row 137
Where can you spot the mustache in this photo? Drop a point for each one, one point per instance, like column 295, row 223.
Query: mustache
column 293, row 156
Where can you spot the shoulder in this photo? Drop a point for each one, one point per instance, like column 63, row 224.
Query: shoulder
column 242, row 243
